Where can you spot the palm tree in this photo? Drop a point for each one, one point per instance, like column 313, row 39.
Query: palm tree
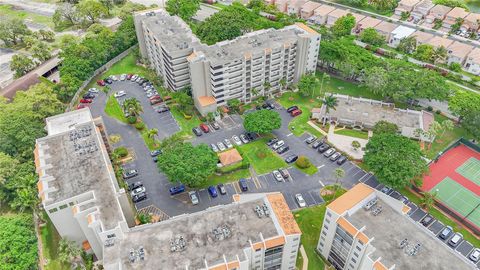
column 428, row 199
column 325, row 76
column 253, row 92
column 330, row 102
column 151, row 133
column 132, row 106
column 266, row 87
column 440, row 54
column 283, row 83
column 447, row 125
column 338, row 173
column 356, row 145
column 408, row 44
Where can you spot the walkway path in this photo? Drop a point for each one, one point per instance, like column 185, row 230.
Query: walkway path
column 317, row 128
column 305, row 258
column 344, row 143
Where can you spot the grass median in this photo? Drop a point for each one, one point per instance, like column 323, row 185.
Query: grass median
column 114, row 110
column 262, row 158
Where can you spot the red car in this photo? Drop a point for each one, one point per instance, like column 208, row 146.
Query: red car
column 82, row 105
column 155, row 101
column 85, row 100
column 296, row 112
column 204, row 128
column 129, row 76
column 101, row 82
column 156, row 97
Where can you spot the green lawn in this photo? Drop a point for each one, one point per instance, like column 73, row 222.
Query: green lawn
column 9, row 11
column 444, row 219
column 310, row 221
column 186, row 125
column 151, row 143
column 227, row 177
column 114, row 110
column 353, row 133
column 310, row 170
column 339, row 86
column 262, row 158
column 50, row 240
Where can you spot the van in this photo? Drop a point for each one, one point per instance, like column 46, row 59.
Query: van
column 204, row 128
column 243, row 184
column 278, row 145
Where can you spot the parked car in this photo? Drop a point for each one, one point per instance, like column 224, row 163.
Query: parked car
column 123, row 77
column 155, row 159
column 236, row 140
column 296, row 113
column 215, row 125
column 138, row 190
column 251, row 136
column 89, row 96
column 119, row 94
column 155, row 101
column 324, row 147
column 134, row 77
column 227, row 143
column 212, row 191
column 301, row 202
column 475, row 255
column 335, row 156
column 155, row 97
column 426, row 221
column 329, row 152
column 86, row 100
column 221, row 146
column 222, row 189
column 82, row 105
column 310, row 139
column 162, row 109
column 272, row 141
column 243, row 184
column 455, row 240
column 197, row 131
column 101, row 82
column 386, row 190
column 291, row 158
column 243, row 138
column 139, row 197
column 204, row 128
column 269, row 104
column 283, row 149
column 446, row 232
column 292, row 108
column 316, row 144
column 278, row 145
column 284, row 173
column 155, row 153
column 135, row 185
column 177, row 190
column 108, row 80
column 113, row 77
column 341, row 160
column 193, row 197
column 278, row 176
column 93, row 90
column 214, row 147
column 127, row 174
column 129, row 76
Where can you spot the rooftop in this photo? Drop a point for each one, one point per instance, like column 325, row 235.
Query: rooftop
column 472, row 18
column 206, row 101
column 424, row 4
column 437, row 42
column 229, row 157
column 422, row 37
column 459, row 49
column 386, row 27
column 409, row 3
column 440, row 9
column 358, row 17
column 337, row 13
column 432, row 254
column 457, row 13
column 310, row 6
column 323, row 10
column 351, row 198
column 244, row 228
column 369, row 22
column 402, row 32
column 475, row 55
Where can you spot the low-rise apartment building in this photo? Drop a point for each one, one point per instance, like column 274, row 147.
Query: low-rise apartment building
column 367, row 22
column 308, row 9
column 295, row 6
column 472, row 63
column 471, row 22
column 438, row 42
column 422, row 9
column 365, row 229
column 385, row 29
column 438, row 12
column 405, row 6
column 422, row 37
column 281, row 5
column 457, row 52
column 320, row 14
column 398, row 34
column 230, row 69
column 333, row 16
column 452, row 16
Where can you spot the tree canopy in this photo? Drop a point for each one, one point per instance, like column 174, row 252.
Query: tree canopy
column 343, row 26
column 463, row 103
column 385, row 127
column 191, row 165
column 395, row 160
column 185, row 9
column 308, row 84
column 262, row 121
column 372, row 37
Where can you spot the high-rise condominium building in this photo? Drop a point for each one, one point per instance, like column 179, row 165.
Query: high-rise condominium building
column 257, row 63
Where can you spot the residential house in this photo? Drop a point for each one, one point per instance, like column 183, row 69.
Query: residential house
column 358, row 18
column 398, row 34
column 422, row 37
column 452, row 16
column 281, row 5
column 405, row 6
column 320, row 14
column 335, row 15
column 438, row 12
column 294, row 7
column 308, row 8
column 385, row 28
column 368, row 22
column 472, row 22
column 458, row 52
column 438, row 42
column 421, row 10
column 269, row 2
column 472, row 63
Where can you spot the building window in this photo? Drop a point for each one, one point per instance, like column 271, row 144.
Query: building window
column 53, row 210
column 70, row 203
column 354, row 261
column 321, row 244
column 355, row 254
column 324, row 233
column 111, row 236
column 325, row 226
column 358, row 248
column 329, row 214
column 327, row 221
column 63, row 206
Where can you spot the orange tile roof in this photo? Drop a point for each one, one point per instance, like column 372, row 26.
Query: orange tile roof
column 233, row 265
column 369, row 22
column 275, row 242
column 86, row 245
column 386, row 27
column 323, row 10
column 258, row 245
column 362, row 237
column 306, row 28
column 206, row 101
column 350, row 198
column 248, row 55
column 236, row 197
column 191, row 56
column 40, row 186
column 458, row 12
column 347, row 226
column 379, row 266
column 229, row 157
column 90, row 218
column 475, row 55
column 36, row 157
column 283, row 214
column 437, row 42
column 222, row 266
column 460, row 49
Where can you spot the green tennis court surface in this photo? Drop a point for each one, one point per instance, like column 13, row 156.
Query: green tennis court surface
column 470, row 170
column 458, row 198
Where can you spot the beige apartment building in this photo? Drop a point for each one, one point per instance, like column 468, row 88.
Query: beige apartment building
column 81, row 195
column 230, row 69
column 364, row 228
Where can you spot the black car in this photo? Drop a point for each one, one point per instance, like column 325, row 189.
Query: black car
column 197, row 131
column 139, row 197
column 251, row 136
column 292, row 108
column 272, row 141
column 222, row 189
column 88, row 96
column 316, row 144
column 135, row 185
column 283, row 149
column 426, row 221
column 291, row 158
column 268, row 105
column 155, row 153
column 341, row 160
column 243, row 184
column 163, row 109
column 324, row 147
column 108, row 80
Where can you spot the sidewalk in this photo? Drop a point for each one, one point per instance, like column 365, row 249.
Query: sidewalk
column 305, row 258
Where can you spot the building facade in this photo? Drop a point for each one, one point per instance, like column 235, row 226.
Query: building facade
column 258, row 63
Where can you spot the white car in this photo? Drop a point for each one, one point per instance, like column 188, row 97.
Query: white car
column 93, row 90
column 113, row 77
column 138, row 191
column 236, row 140
column 278, row 176
column 214, row 147
column 228, row 143
column 134, row 77
column 475, row 255
column 221, row 146
column 278, row 145
column 120, row 94
column 301, row 202
column 243, row 138
column 123, row 77
column 193, row 197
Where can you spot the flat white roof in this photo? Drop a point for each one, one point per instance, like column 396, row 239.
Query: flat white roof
column 402, row 32
column 67, row 121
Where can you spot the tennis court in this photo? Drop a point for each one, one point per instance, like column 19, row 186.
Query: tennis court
column 470, row 170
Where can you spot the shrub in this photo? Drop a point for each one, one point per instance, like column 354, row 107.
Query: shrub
column 429, row 108
column 132, row 119
column 303, row 162
column 121, row 151
column 140, row 125
column 438, row 112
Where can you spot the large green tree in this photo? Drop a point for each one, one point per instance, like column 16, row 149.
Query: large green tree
column 21, row 64
column 471, row 122
column 343, row 26
column 372, row 37
column 185, row 9
column 262, row 121
column 12, row 30
column 308, row 84
column 91, row 10
column 407, row 45
column 385, row 127
column 395, row 160
column 462, row 103
column 191, row 165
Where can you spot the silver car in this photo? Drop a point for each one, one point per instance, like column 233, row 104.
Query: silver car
column 475, row 255
column 228, row 143
column 301, row 202
column 236, row 140
column 123, row 77
column 243, row 138
column 138, row 191
column 214, row 147
column 221, row 146
column 278, row 176
column 193, row 197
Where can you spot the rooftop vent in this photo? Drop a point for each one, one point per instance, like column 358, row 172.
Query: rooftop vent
column 222, row 233
column 178, row 243
column 150, row 14
column 262, row 210
column 136, row 255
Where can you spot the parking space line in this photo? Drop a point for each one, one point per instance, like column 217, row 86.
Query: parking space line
column 321, row 183
column 236, row 187
column 288, row 135
column 360, row 179
column 321, row 166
